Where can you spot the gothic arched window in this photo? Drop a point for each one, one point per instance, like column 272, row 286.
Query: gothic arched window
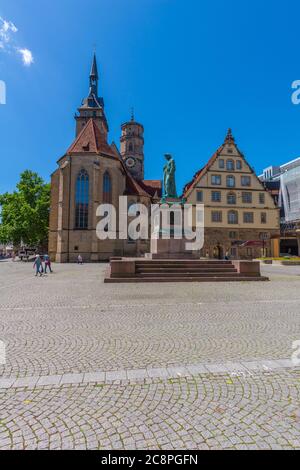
column 107, row 188
column 130, row 147
column 82, row 200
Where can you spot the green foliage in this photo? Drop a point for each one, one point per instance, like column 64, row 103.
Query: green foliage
column 25, row 212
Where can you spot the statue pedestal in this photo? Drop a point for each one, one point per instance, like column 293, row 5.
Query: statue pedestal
column 170, row 249
column 170, row 243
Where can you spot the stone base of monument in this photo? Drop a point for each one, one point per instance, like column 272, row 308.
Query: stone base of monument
column 171, row 248
column 181, row 270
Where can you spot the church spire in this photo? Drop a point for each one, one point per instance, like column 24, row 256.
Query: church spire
column 94, row 77
column 93, row 105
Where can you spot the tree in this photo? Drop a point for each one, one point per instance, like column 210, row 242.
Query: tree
column 25, row 212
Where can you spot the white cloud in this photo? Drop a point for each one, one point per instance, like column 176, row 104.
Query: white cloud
column 27, row 56
column 7, row 28
column 7, row 43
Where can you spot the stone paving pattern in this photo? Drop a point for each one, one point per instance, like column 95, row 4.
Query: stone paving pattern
column 72, row 323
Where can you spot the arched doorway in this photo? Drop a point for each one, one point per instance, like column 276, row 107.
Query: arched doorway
column 218, row 252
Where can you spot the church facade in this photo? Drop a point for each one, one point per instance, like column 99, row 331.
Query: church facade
column 90, row 173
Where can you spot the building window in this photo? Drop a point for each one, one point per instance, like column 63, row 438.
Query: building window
column 230, row 180
column 216, row 179
column 231, row 198
column 249, row 252
column 130, row 147
column 262, row 198
column 199, row 196
column 233, row 217
column 230, row 165
column 247, row 198
column 221, row 164
column 233, row 235
column 216, row 196
column 216, row 216
column 248, row 217
column 246, row 181
column 263, row 235
column 82, row 200
column 107, row 188
column 263, row 217
column 238, row 164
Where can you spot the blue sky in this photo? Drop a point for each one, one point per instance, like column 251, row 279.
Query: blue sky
column 191, row 69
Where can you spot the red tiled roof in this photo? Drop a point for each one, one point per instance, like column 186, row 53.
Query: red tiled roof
column 133, row 187
column 90, row 140
column 153, row 187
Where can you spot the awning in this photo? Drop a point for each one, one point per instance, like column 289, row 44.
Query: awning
column 259, row 243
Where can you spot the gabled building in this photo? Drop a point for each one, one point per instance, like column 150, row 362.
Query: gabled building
column 91, row 172
column 241, row 219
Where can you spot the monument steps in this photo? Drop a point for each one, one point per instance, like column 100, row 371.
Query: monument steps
column 187, row 274
column 185, row 270
column 180, row 271
column 185, row 279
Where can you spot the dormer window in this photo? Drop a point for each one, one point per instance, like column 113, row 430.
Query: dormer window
column 86, row 146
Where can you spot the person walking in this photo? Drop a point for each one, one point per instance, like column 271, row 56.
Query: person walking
column 38, row 265
column 47, row 263
column 79, row 259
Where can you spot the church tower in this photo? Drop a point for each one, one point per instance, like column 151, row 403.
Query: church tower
column 132, row 147
column 93, row 105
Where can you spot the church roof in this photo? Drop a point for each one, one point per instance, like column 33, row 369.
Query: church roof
column 134, row 187
column 153, row 187
column 91, row 140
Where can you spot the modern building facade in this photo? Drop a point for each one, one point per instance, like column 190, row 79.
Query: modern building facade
column 241, row 217
column 284, row 184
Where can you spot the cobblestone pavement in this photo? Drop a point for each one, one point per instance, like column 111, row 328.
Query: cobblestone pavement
column 97, row 338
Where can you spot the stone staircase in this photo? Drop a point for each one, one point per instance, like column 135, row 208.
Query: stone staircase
column 179, row 270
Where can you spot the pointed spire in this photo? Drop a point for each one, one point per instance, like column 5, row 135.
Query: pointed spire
column 94, row 69
column 94, row 78
column 229, row 137
column 132, row 114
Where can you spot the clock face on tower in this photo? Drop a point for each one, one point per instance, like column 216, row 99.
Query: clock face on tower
column 130, row 162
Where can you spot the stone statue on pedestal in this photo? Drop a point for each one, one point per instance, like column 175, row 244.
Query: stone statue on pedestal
column 169, row 178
